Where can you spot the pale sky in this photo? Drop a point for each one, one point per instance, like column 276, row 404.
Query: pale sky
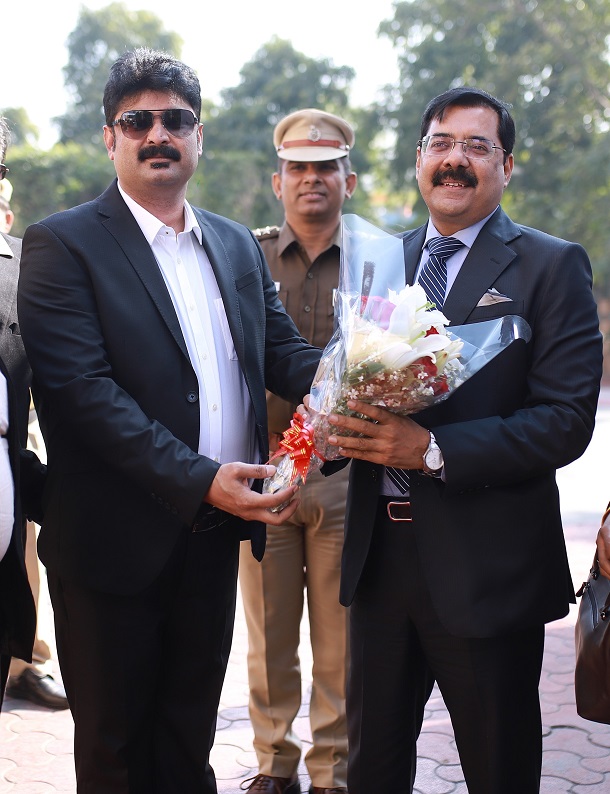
column 219, row 37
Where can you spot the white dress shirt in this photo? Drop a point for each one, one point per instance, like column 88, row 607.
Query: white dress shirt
column 227, row 425
column 7, row 489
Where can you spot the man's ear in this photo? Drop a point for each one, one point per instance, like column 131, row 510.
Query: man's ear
column 350, row 184
column 109, row 140
column 276, row 184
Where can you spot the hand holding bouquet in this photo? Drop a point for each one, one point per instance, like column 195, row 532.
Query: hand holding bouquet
column 392, row 348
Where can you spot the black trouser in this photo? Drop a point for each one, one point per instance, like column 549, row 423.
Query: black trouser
column 143, row 673
column 399, row 647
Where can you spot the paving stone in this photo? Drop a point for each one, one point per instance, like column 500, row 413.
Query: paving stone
column 573, row 740
column 601, row 788
column 568, row 765
column 428, row 782
column 438, row 747
column 554, row 785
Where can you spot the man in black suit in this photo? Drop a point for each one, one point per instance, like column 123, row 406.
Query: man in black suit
column 152, row 329
column 453, row 580
column 21, row 474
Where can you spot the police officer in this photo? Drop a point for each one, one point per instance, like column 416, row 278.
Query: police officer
column 313, row 179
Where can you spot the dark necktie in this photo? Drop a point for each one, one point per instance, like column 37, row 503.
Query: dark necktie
column 433, row 278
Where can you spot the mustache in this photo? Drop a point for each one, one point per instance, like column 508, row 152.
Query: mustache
column 164, row 150
column 457, row 174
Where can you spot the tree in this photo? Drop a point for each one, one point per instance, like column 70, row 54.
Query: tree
column 47, row 182
column 238, row 157
column 548, row 59
column 98, row 39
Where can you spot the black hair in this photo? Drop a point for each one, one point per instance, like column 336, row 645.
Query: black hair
column 144, row 69
column 470, row 98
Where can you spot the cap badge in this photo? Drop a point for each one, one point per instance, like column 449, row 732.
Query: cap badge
column 314, row 134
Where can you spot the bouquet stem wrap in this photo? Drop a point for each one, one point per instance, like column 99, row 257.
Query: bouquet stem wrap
column 391, row 348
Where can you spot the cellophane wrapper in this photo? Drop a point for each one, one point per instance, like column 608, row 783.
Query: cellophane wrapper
column 390, row 348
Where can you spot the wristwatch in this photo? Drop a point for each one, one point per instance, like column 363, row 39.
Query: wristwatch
column 433, row 459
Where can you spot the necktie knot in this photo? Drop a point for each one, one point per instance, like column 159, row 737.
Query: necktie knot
column 443, row 247
column 433, row 276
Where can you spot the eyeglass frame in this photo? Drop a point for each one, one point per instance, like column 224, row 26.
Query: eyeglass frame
column 155, row 114
column 424, row 146
column 4, row 169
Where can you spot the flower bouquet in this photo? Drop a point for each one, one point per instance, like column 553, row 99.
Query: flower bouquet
column 391, row 348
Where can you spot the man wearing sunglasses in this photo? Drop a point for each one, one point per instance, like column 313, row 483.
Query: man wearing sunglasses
column 153, row 329
column 454, row 556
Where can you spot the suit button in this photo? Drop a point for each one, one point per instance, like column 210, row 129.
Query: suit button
column 192, row 396
column 374, row 476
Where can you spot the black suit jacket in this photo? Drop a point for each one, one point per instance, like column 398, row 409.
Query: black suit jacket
column 490, row 536
column 17, row 611
column 116, row 394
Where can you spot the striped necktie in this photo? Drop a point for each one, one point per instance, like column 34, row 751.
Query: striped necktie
column 433, row 278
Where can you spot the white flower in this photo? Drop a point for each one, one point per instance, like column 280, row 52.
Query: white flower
column 399, row 355
column 412, row 315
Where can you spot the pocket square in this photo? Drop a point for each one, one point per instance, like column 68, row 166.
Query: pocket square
column 493, row 296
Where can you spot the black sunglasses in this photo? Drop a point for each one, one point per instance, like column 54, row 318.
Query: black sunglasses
column 179, row 123
column 3, row 170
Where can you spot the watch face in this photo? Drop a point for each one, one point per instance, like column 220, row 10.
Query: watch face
column 434, row 459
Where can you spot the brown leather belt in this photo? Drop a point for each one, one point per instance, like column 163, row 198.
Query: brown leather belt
column 399, row 511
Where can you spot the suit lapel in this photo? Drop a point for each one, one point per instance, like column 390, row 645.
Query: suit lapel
column 124, row 228
column 225, row 278
column 413, row 243
column 488, row 257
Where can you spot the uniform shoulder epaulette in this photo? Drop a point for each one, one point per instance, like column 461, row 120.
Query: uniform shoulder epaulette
column 266, row 232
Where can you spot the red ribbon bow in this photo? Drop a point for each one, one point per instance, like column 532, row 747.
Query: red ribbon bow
column 297, row 443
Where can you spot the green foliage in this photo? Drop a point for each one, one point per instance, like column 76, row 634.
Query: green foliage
column 21, row 127
column 99, row 38
column 549, row 60
column 48, row 182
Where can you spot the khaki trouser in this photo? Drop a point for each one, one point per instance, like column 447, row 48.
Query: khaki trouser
column 303, row 554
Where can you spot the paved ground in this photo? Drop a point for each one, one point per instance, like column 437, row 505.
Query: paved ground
column 36, row 744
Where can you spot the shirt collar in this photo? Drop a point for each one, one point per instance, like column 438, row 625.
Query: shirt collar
column 151, row 225
column 466, row 236
column 287, row 236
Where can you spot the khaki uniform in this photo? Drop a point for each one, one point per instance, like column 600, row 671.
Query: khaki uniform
column 305, row 553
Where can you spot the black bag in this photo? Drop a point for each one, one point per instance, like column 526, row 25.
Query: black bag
column 592, row 634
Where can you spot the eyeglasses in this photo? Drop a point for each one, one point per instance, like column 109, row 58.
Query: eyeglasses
column 473, row 148
column 3, row 170
column 179, row 123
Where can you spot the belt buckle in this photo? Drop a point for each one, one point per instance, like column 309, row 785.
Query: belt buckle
column 407, row 510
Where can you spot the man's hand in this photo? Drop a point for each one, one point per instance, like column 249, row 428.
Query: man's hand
column 230, row 491
column 603, row 547
column 389, row 439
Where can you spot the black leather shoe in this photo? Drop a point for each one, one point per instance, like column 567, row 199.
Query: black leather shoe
column 265, row 784
column 41, row 690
